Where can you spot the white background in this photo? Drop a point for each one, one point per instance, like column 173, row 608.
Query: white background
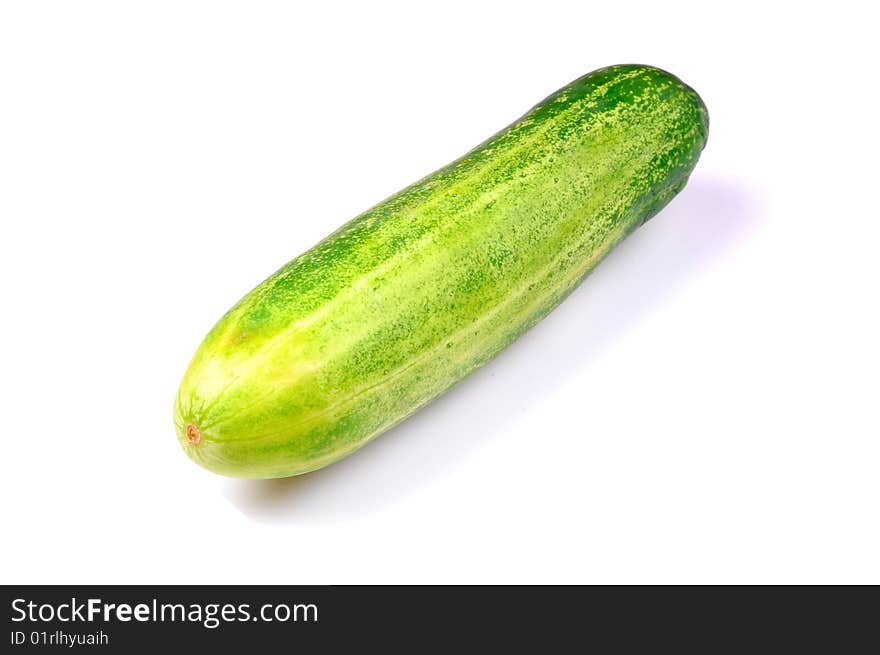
column 703, row 409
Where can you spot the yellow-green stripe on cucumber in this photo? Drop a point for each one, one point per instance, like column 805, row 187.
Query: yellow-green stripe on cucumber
column 408, row 298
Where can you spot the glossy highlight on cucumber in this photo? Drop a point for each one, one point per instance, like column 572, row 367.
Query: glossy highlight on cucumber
column 407, row 299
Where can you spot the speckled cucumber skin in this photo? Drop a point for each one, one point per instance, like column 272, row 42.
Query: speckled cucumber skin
column 407, row 299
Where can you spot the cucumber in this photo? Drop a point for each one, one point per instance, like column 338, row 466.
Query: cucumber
column 408, row 298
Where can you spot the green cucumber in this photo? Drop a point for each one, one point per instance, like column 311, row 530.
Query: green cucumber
column 407, row 299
